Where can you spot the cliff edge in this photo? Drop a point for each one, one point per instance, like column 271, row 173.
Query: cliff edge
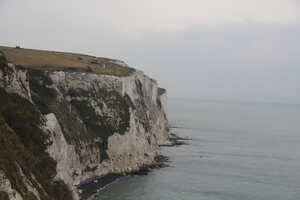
column 65, row 118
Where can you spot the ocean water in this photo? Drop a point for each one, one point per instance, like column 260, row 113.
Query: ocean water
column 239, row 151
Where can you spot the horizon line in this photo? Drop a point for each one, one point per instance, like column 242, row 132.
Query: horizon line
column 234, row 101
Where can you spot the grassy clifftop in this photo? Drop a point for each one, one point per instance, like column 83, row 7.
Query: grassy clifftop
column 52, row 60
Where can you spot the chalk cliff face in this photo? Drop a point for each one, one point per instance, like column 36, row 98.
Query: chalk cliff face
column 91, row 124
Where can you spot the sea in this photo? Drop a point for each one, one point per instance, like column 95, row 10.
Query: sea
column 238, row 151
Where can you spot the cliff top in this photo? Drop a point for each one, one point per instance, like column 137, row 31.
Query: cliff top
column 53, row 60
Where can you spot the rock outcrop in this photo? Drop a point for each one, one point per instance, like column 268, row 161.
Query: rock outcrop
column 91, row 124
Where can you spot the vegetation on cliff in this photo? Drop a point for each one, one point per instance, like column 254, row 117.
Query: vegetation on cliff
column 23, row 147
column 87, row 113
column 105, row 125
column 4, row 196
column 79, row 120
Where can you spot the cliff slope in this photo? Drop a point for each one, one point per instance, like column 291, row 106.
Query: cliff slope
column 68, row 117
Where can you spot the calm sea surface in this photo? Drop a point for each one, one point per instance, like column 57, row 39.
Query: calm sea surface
column 238, row 152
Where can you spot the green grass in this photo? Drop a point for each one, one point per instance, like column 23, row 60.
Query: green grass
column 52, row 60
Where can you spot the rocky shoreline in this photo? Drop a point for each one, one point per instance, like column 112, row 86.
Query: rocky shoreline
column 94, row 185
column 89, row 188
column 175, row 140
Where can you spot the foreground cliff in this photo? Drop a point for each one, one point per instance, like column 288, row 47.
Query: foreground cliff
column 66, row 117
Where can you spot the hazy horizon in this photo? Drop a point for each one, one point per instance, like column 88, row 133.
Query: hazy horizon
column 245, row 50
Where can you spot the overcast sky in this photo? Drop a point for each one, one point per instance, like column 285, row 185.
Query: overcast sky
column 245, row 50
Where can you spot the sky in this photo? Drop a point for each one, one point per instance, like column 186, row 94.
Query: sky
column 241, row 50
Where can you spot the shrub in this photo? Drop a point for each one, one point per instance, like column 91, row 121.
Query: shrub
column 23, row 147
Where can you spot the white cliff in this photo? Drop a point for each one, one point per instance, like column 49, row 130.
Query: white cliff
column 97, row 124
column 126, row 152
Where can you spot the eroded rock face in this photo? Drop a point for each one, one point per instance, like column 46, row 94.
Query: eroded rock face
column 6, row 188
column 97, row 124
column 15, row 80
column 123, row 124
